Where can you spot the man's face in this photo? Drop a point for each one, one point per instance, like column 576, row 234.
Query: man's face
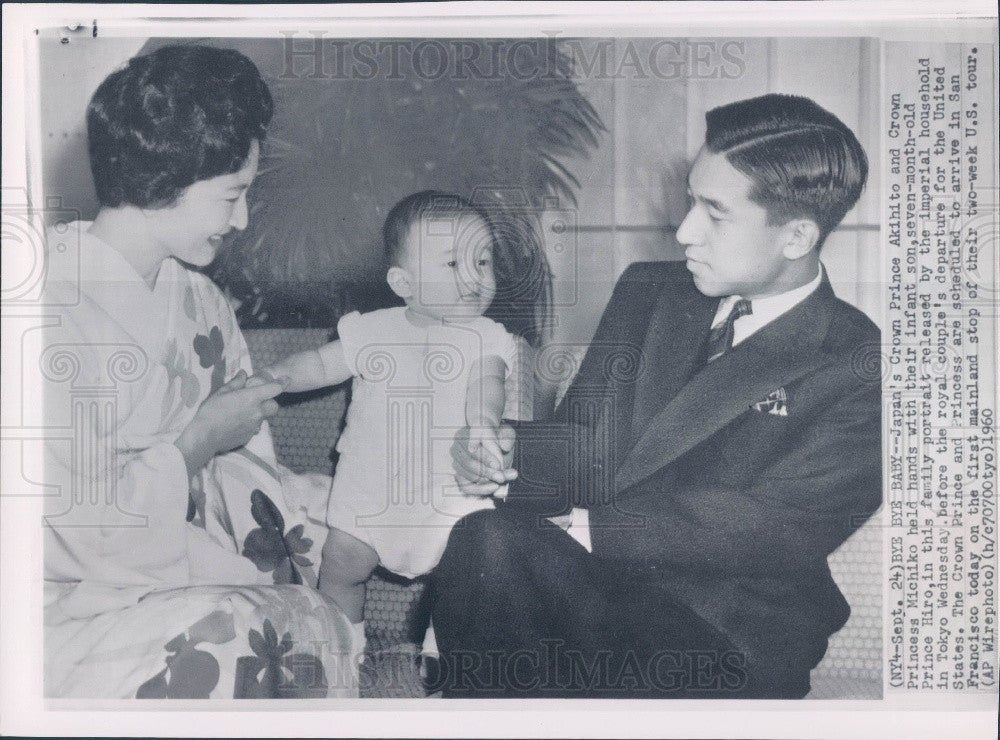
column 193, row 227
column 450, row 263
column 730, row 247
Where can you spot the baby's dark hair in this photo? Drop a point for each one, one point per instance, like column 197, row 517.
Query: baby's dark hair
column 523, row 300
column 170, row 118
column 412, row 208
column 803, row 161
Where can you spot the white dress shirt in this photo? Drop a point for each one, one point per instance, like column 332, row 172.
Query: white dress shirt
column 765, row 310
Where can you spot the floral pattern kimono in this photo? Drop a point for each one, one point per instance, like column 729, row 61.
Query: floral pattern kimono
column 157, row 586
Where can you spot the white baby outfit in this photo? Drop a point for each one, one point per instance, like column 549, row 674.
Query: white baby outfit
column 394, row 486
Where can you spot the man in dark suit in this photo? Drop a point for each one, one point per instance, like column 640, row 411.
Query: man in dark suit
column 720, row 440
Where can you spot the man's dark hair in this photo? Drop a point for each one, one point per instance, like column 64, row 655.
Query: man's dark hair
column 803, row 161
column 170, row 118
column 425, row 203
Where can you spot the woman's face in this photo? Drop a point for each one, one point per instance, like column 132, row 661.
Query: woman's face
column 193, row 227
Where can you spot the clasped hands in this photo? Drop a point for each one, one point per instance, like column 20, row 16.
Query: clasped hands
column 482, row 456
column 228, row 418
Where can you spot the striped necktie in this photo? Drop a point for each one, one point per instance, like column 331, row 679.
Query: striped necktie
column 720, row 339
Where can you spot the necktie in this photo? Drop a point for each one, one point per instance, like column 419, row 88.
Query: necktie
column 720, row 339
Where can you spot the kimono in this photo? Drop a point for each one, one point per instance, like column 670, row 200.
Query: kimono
column 157, row 585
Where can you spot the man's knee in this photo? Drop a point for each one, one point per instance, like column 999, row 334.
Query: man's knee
column 482, row 539
column 485, row 528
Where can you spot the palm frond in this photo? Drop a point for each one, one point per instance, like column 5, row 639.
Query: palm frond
column 342, row 151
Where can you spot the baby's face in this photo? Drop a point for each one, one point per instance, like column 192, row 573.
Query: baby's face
column 450, row 261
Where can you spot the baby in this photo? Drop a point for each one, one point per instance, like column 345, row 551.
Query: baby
column 421, row 373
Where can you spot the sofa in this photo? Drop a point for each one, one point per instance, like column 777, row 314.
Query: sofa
column 305, row 431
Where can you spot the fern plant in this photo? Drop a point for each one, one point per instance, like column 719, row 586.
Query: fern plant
column 341, row 150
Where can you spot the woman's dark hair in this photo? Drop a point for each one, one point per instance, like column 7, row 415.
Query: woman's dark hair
column 523, row 301
column 803, row 161
column 170, row 118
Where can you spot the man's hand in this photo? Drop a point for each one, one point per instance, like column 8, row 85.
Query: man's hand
column 486, row 437
column 480, row 469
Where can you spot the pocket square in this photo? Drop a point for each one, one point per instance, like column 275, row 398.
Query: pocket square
column 775, row 404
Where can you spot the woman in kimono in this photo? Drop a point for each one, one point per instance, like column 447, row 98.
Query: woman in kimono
column 180, row 558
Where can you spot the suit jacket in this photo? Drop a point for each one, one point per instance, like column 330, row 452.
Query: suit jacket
column 696, row 484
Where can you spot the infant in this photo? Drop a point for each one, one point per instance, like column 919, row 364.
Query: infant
column 421, row 373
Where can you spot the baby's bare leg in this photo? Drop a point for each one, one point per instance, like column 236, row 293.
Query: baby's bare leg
column 347, row 563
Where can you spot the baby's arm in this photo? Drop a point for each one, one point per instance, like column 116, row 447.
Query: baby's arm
column 314, row 368
column 484, row 403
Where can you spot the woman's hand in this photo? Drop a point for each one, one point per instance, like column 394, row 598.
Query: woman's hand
column 227, row 419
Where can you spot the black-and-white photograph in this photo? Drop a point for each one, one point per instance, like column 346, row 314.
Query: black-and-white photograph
column 474, row 364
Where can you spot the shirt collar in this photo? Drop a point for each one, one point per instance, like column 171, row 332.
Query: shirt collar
column 110, row 281
column 765, row 310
